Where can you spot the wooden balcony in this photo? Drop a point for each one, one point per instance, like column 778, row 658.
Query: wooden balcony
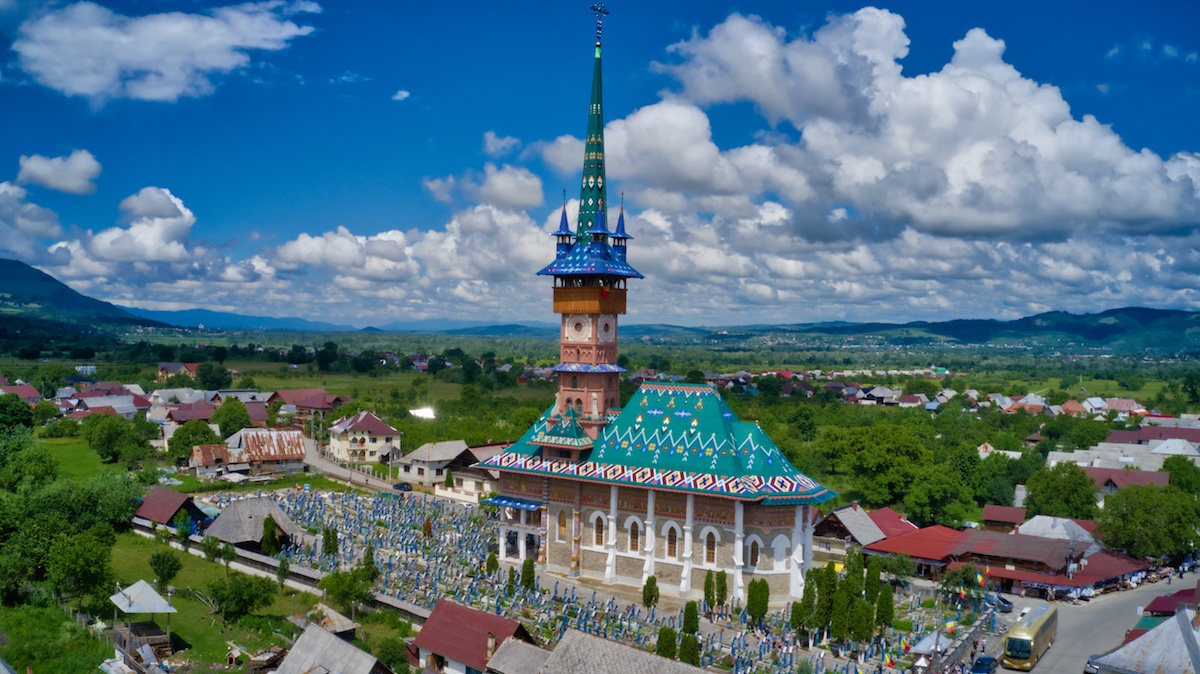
column 589, row 300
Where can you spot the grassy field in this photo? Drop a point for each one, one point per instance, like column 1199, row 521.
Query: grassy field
column 197, row 628
column 75, row 458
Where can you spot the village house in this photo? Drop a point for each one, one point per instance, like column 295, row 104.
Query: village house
column 469, row 482
column 457, row 639
column 318, row 651
column 251, row 451
column 305, row 404
column 165, row 370
column 850, row 527
column 241, row 523
column 426, row 465
column 361, row 438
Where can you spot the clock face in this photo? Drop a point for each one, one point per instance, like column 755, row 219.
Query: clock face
column 606, row 328
column 578, row 327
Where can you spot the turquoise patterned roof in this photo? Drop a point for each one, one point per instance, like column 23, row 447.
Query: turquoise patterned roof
column 677, row 437
column 566, row 432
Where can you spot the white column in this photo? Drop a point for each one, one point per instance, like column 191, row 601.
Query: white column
column 648, row 567
column 610, row 567
column 521, row 545
column 503, row 543
column 685, row 578
column 799, row 560
column 739, row 545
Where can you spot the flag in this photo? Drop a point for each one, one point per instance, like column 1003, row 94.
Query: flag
column 905, row 645
column 979, row 577
column 604, row 290
column 890, row 662
column 962, row 593
column 951, row 626
column 987, row 567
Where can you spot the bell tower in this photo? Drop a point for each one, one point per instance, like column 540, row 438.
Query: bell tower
column 590, row 274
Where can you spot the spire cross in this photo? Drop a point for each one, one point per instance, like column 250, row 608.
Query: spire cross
column 600, row 11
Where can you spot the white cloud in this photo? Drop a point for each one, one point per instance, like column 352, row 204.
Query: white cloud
column 442, row 189
column 511, row 187
column 401, row 95
column 88, row 50
column 496, row 146
column 23, row 223
column 158, row 230
column 72, row 174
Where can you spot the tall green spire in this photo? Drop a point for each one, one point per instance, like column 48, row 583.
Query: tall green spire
column 593, row 191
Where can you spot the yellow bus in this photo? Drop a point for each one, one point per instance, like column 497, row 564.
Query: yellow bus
column 1027, row 640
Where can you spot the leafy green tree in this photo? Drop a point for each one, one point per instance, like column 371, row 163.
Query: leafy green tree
column 803, row 421
column 165, row 565
column 665, row 645
column 211, row 547
column 1062, row 491
column 710, row 590
column 14, row 412
column 329, row 540
column 212, row 377
column 231, row 417
column 691, row 618
column 839, row 624
column 347, row 589
column 43, row 412
column 689, row 650
column 283, row 572
column 937, row 497
column 826, row 588
column 961, row 582
column 228, row 554
column 528, row 578
column 492, row 564
column 862, row 621
column 270, row 537
column 391, row 651
column 880, row 460
column 1150, row 521
column 1191, row 387
column 239, row 594
column 650, row 592
column 183, row 529
column 191, row 433
column 247, row 383
column 25, row 464
column 871, row 582
column 885, row 607
column 1184, row 474
column 510, row 585
column 448, row 483
column 802, row 611
column 722, row 588
column 80, row 565
column 758, row 598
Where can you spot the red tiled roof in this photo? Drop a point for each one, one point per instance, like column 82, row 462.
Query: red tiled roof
column 1168, row 604
column 1006, row 514
column 1100, row 567
column 1122, row 477
column 1050, row 552
column 936, row 543
column 161, row 504
column 23, row 391
column 1145, row 434
column 1089, row 526
column 363, row 422
column 890, row 522
column 459, row 633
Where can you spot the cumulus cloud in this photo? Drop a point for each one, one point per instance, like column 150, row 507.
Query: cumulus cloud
column 401, row 95
column 496, row 146
column 88, row 50
column 72, row 174
column 511, row 187
column 23, row 223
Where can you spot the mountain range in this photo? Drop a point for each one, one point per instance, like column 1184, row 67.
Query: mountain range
column 31, row 294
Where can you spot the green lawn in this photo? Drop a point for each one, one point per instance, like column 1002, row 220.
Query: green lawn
column 194, row 623
column 75, row 459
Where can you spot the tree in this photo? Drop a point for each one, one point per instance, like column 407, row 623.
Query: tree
column 689, row 650
column 691, row 618
column 43, row 412
column 165, row 565
column 14, row 412
column 183, row 529
column 492, row 564
column 862, row 623
column 193, row 432
column 937, row 497
column 880, row 460
column 722, row 587
column 803, row 420
column 1062, row 491
column 871, row 582
column 239, row 594
column 326, row 356
column 510, row 586
column 270, row 537
column 231, row 417
column 392, row 651
column 802, row 611
column 329, row 540
column 839, row 627
column 962, row 582
column 1150, row 521
column 710, row 591
column 885, row 607
column 79, row 565
column 211, row 547
column 283, row 572
column 449, row 481
column 212, row 377
column 1191, row 387
column 228, row 554
column 665, row 645
column 348, row 589
column 1184, row 474
column 528, row 578
column 758, row 599
column 826, row 588
column 650, row 592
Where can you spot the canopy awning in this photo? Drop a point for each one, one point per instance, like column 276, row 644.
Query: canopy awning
column 512, row 502
column 141, row 598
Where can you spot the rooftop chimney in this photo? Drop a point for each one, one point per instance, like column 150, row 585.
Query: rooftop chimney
column 491, row 646
column 854, row 505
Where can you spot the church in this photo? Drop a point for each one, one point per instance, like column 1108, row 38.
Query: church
column 672, row 484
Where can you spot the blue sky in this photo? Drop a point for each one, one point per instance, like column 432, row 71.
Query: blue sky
column 375, row 162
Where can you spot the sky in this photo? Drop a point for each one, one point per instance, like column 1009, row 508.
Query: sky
column 368, row 163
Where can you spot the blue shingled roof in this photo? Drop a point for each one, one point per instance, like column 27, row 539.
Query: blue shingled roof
column 590, row 258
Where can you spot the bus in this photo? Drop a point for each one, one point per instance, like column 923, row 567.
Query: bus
column 1027, row 640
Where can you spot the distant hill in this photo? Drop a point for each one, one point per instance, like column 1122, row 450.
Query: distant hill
column 34, row 294
column 219, row 320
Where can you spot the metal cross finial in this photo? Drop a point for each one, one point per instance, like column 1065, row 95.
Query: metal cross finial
column 600, row 11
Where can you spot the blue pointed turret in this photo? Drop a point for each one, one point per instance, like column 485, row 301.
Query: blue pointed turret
column 619, row 237
column 564, row 236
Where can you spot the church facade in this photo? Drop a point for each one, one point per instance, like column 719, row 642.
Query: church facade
column 672, row 484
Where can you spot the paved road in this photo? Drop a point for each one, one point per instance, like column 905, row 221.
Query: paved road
column 1092, row 627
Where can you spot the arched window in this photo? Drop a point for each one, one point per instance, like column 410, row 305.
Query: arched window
column 710, row 548
column 752, row 555
column 574, row 382
column 672, row 543
column 579, row 407
column 562, row 525
column 635, row 537
column 598, row 532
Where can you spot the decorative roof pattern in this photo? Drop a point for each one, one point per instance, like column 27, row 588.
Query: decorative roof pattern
column 677, row 437
column 590, row 258
column 586, row 367
column 566, row 432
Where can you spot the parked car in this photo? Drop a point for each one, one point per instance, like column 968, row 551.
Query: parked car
column 1090, row 666
column 996, row 599
column 984, row 664
column 402, row 486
